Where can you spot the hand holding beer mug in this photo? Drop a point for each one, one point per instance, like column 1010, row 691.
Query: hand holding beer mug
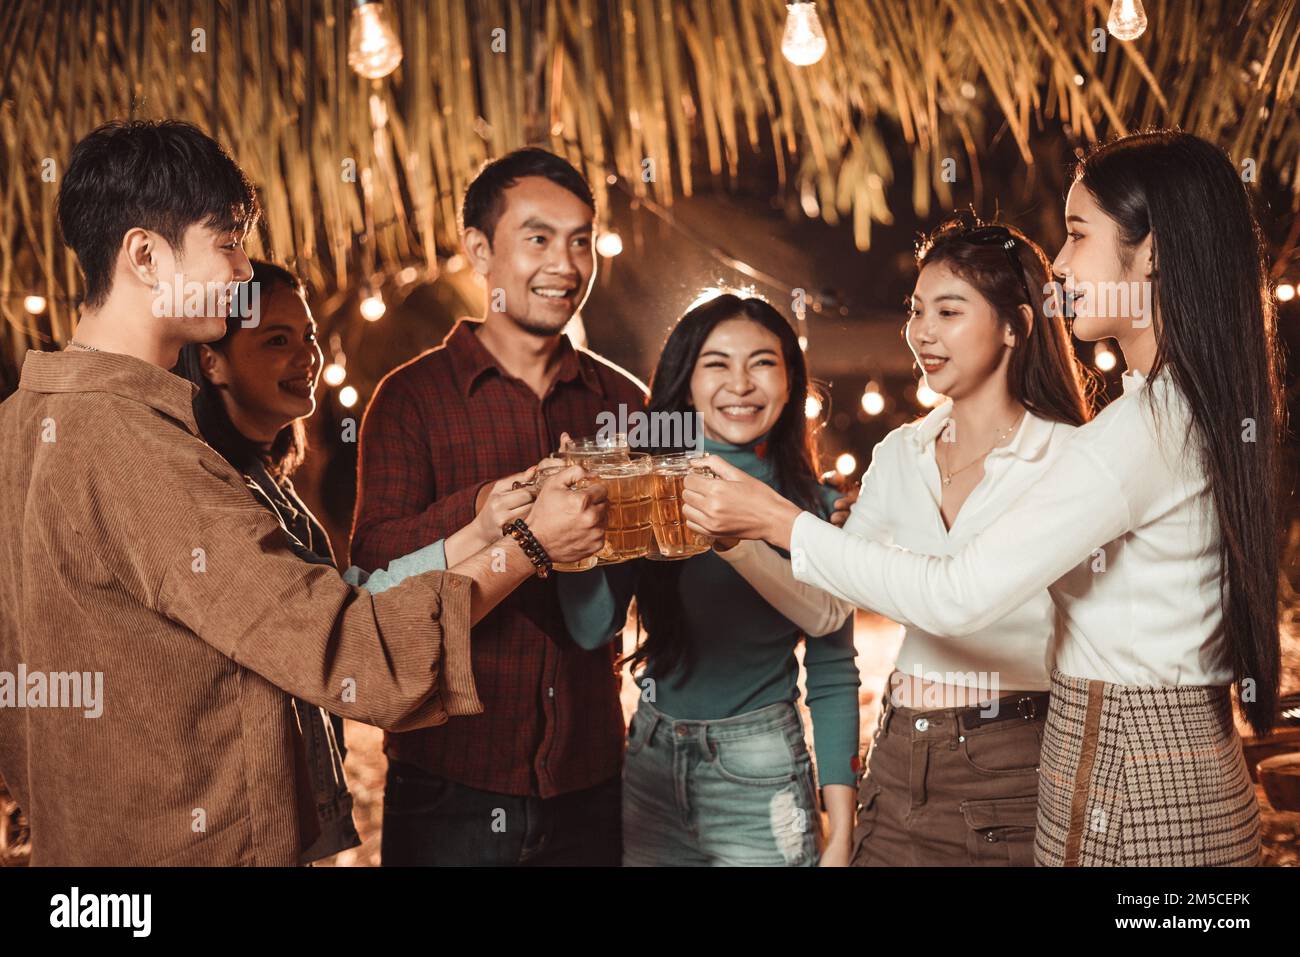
column 510, row 498
column 568, row 518
column 734, row 504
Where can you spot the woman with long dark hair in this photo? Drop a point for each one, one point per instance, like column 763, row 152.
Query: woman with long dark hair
column 952, row 776
column 256, row 387
column 1156, row 528
column 717, row 771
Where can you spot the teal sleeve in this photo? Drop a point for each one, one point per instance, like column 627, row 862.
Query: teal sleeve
column 832, row 677
column 430, row 558
column 595, row 602
column 830, row 494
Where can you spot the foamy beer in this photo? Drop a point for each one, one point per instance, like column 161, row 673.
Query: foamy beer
column 541, row 478
column 593, row 451
column 675, row 538
column 628, row 533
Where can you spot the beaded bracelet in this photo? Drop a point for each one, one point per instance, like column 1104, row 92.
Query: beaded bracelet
column 522, row 534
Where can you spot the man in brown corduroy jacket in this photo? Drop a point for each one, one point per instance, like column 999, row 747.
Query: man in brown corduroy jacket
column 154, row 621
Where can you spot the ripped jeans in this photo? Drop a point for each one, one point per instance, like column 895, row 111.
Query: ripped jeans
column 731, row 792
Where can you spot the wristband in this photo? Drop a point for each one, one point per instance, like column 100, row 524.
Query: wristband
column 522, row 534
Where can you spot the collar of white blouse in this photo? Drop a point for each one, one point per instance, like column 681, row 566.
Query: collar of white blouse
column 1028, row 444
column 1132, row 380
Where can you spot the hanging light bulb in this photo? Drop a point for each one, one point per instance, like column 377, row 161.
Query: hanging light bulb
column 1285, row 292
column 1104, row 358
column 927, row 396
column 347, row 397
column 812, row 407
column 34, row 304
column 373, row 48
column 804, row 42
column 873, row 403
column 334, row 374
column 1127, row 19
column 846, row 464
column 372, row 307
column 609, row 243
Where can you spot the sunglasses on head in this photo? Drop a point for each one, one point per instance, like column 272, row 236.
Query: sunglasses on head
column 1001, row 236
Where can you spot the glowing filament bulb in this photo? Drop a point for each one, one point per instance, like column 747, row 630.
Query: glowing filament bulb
column 1127, row 19
column 373, row 48
column 804, row 42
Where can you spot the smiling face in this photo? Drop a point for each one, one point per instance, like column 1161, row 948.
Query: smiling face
column 540, row 255
column 267, row 375
column 958, row 339
column 740, row 383
column 1107, row 283
column 208, row 265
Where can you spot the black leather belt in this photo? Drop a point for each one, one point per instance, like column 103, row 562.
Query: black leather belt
column 1029, row 707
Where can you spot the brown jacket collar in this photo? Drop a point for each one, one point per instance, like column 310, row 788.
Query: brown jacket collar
column 74, row 370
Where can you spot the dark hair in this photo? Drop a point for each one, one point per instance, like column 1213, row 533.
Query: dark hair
column 1043, row 375
column 790, row 445
column 482, row 206
column 164, row 176
column 290, row 445
column 1215, row 328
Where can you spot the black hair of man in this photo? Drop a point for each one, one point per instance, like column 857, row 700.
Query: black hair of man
column 161, row 175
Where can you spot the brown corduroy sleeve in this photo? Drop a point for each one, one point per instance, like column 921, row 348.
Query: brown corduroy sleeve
column 373, row 658
column 206, row 555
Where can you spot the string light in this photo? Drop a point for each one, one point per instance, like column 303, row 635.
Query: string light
column 1128, row 20
column 804, row 42
column 34, row 304
column 609, row 243
column 846, row 464
column 1104, row 358
column 927, row 396
column 334, row 374
column 347, row 397
column 1285, row 292
column 812, row 407
column 373, row 48
column 372, row 307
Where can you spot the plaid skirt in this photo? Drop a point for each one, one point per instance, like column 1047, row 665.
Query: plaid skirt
column 1137, row 776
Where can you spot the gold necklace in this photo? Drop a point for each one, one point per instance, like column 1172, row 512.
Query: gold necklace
column 1001, row 437
column 77, row 345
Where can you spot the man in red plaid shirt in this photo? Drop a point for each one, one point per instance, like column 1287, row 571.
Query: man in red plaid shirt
column 535, row 778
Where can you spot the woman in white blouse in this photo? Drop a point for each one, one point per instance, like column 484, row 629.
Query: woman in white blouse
column 953, row 772
column 1154, row 529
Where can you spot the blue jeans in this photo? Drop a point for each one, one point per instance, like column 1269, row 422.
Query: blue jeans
column 732, row 792
column 432, row 821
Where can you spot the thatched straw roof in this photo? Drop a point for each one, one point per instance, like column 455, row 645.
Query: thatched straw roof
column 681, row 89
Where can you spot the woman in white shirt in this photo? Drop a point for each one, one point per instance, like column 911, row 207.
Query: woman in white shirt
column 1155, row 528
column 953, row 771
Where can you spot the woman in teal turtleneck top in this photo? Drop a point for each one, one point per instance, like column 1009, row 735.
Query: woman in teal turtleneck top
column 717, row 771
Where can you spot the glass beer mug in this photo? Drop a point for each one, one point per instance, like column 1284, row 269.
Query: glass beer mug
column 674, row 537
